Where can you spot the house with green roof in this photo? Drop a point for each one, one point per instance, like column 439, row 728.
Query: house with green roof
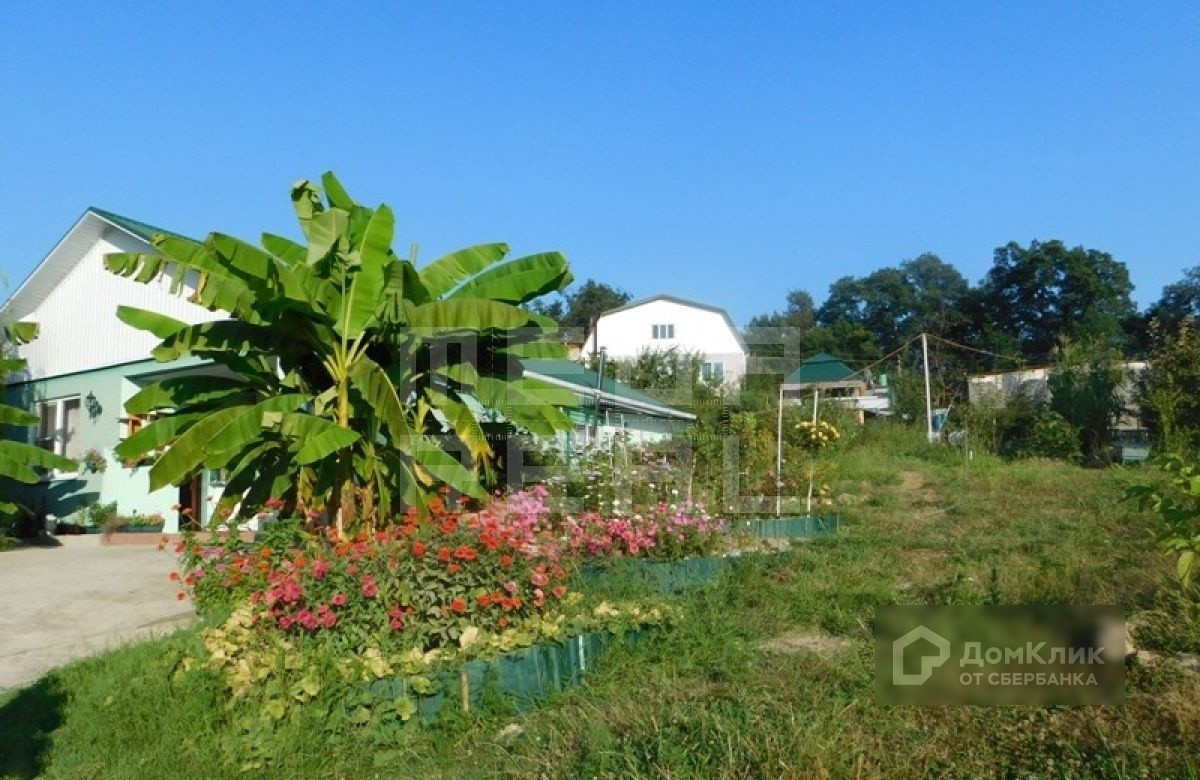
column 86, row 364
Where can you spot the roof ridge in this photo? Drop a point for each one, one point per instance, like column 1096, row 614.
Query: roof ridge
column 143, row 230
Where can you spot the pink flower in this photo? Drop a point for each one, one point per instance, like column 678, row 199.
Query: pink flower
column 510, row 586
column 320, row 568
column 368, row 588
column 338, row 600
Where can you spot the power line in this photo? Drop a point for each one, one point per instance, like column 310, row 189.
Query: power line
column 1013, row 358
column 888, row 356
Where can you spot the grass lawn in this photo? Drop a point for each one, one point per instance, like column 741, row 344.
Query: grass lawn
column 768, row 675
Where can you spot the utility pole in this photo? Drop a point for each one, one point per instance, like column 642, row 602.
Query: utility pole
column 603, row 353
column 928, row 400
column 779, row 456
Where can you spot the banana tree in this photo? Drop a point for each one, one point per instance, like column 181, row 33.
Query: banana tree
column 352, row 380
column 20, row 461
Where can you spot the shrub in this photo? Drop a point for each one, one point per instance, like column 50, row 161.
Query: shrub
column 1053, row 436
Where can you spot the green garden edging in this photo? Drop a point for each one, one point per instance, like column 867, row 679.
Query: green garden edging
column 524, row 676
column 791, row 527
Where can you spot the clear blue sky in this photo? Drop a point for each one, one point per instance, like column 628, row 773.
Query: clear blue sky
column 721, row 151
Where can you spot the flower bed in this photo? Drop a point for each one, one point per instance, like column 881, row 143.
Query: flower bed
column 434, row 607
column 662, row 532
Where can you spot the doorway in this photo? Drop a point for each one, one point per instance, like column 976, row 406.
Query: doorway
column 191, row 504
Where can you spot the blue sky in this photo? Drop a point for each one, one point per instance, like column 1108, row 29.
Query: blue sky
column 726, row 152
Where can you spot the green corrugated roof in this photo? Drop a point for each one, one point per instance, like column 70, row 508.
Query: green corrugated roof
column 140, row 229
column 820, row 368
column 585, row 379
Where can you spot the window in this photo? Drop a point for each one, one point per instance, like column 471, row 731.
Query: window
column 713, row 371
column 135, row 422
column 58, row 426
column 662, row 331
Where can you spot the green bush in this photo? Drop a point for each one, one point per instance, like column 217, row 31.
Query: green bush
column 1053, row 437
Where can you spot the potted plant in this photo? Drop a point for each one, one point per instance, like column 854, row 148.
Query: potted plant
column 94, row 462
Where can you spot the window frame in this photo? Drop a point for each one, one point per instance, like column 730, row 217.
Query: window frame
column 58, row 436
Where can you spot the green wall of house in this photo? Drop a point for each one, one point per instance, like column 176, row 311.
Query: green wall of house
column 101, row 427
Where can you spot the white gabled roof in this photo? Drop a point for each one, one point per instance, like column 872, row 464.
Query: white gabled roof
column 737, row 334
column 66, row 254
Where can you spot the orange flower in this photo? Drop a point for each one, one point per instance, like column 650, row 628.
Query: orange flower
column 454, row 567
column 418, row 549
column 265, row 552
column 458, row 605
column 180, row 596
column 300, row 560
column 502, row 622
column 179, row 548
column 173, row 576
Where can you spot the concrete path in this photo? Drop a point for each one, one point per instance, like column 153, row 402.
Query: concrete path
column 58, row 604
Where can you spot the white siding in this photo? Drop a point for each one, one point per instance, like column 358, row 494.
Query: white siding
column 627, row 332
column 79, row 329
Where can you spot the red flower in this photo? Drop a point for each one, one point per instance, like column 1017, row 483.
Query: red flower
column 418, row 549
column 502, row 622
column 273, row 503
column 180, row 596
column 465, row 553
column 484, row 601
column 559, row 591
column 458, row 605
column 449, row 526
column 173, row 576
column 506, row 560
column 444, row 554
column 454, row 567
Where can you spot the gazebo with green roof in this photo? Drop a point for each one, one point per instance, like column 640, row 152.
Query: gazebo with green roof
column 824, row 373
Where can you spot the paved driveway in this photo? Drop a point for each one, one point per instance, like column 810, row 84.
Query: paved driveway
column 58, row 604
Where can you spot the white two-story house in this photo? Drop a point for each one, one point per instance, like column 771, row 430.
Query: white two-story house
column 661, row 322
